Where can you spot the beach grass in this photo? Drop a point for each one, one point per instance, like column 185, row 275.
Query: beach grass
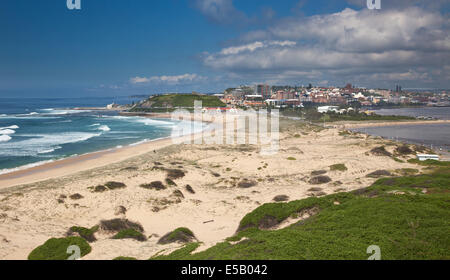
column 395, row 214
column 182, row 253
column 130, row 234
column 56, row 249
column 125, row 259
column 182, row 234
column 85, row 233
column 338, row 167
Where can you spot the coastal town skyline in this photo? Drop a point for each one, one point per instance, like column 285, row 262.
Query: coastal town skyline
column 215, row 44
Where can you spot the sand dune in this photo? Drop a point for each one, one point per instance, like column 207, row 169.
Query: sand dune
column 31, row 214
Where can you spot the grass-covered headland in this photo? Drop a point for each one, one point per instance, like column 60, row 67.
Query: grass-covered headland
column 171, row 102
column 407, row 217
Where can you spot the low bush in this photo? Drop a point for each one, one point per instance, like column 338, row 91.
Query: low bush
column 319, row 180
column 116, row 225
column 156, row 185
column 85, row 233
column 380, row 151
column 189, row 189
column 338, row 167
column 247, row 184
column 175, row 174
column 76, row 196
column 56, row 248
column 115, row 185
column 281, row 198
column 404, row 150
column 130, row 234
column 181, row 235
column 379, row 173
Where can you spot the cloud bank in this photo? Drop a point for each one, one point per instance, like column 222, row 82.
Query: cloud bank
column 170, row 80
column 411, row 44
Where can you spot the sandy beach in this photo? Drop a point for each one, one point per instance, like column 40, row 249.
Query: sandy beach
column 35, row 204
column 75, row 164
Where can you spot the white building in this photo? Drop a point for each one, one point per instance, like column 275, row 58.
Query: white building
column 325, row 109
column 424, row 157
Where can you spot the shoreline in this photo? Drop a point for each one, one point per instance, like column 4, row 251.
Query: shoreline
column 66, row 166
column 445, row 156
column 77, row 163
column 74, row 164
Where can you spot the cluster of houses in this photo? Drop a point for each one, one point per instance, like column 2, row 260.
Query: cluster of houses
column 265, row 95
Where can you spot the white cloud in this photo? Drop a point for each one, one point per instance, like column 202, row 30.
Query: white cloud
column 220, row 11
column 382, row 45
column 185, row 78
column 139, row 80
column 254, row 46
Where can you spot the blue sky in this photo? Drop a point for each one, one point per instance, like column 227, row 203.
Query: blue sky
column 119, row 47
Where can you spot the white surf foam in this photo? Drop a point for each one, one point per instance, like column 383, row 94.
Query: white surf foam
column 51, row 111
column 146, row 121
column 104, row 128
column 43, row 143
column 5, row 138
column 10, row 127
column 7, row 131
column 50, row 150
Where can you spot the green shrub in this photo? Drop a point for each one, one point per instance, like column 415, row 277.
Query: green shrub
column 404, row 150
column 380, row 151
column 86, row 233
column 117, row 225
column 379, row 173
column 407, row 171
column 56, row 248
column 156, row 185
column 411, row 226
column 398, row 160
column 183, row 235
column 170, row 182
column 319, row 180
column 125, row 259
column 130, row 234
column 338, row 167
column 245, row 184
column 178, row 254
column 430, row 162
column 175, row 174
column 115, row 185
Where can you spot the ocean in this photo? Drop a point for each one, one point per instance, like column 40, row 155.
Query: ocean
column 36, row 131
column 436, row 136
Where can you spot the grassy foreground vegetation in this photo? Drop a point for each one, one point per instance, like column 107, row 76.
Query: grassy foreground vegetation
column 85, row 233
column 56, row 248
column 407, row 217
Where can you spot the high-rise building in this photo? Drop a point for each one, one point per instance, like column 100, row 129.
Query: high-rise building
column 264, row 90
